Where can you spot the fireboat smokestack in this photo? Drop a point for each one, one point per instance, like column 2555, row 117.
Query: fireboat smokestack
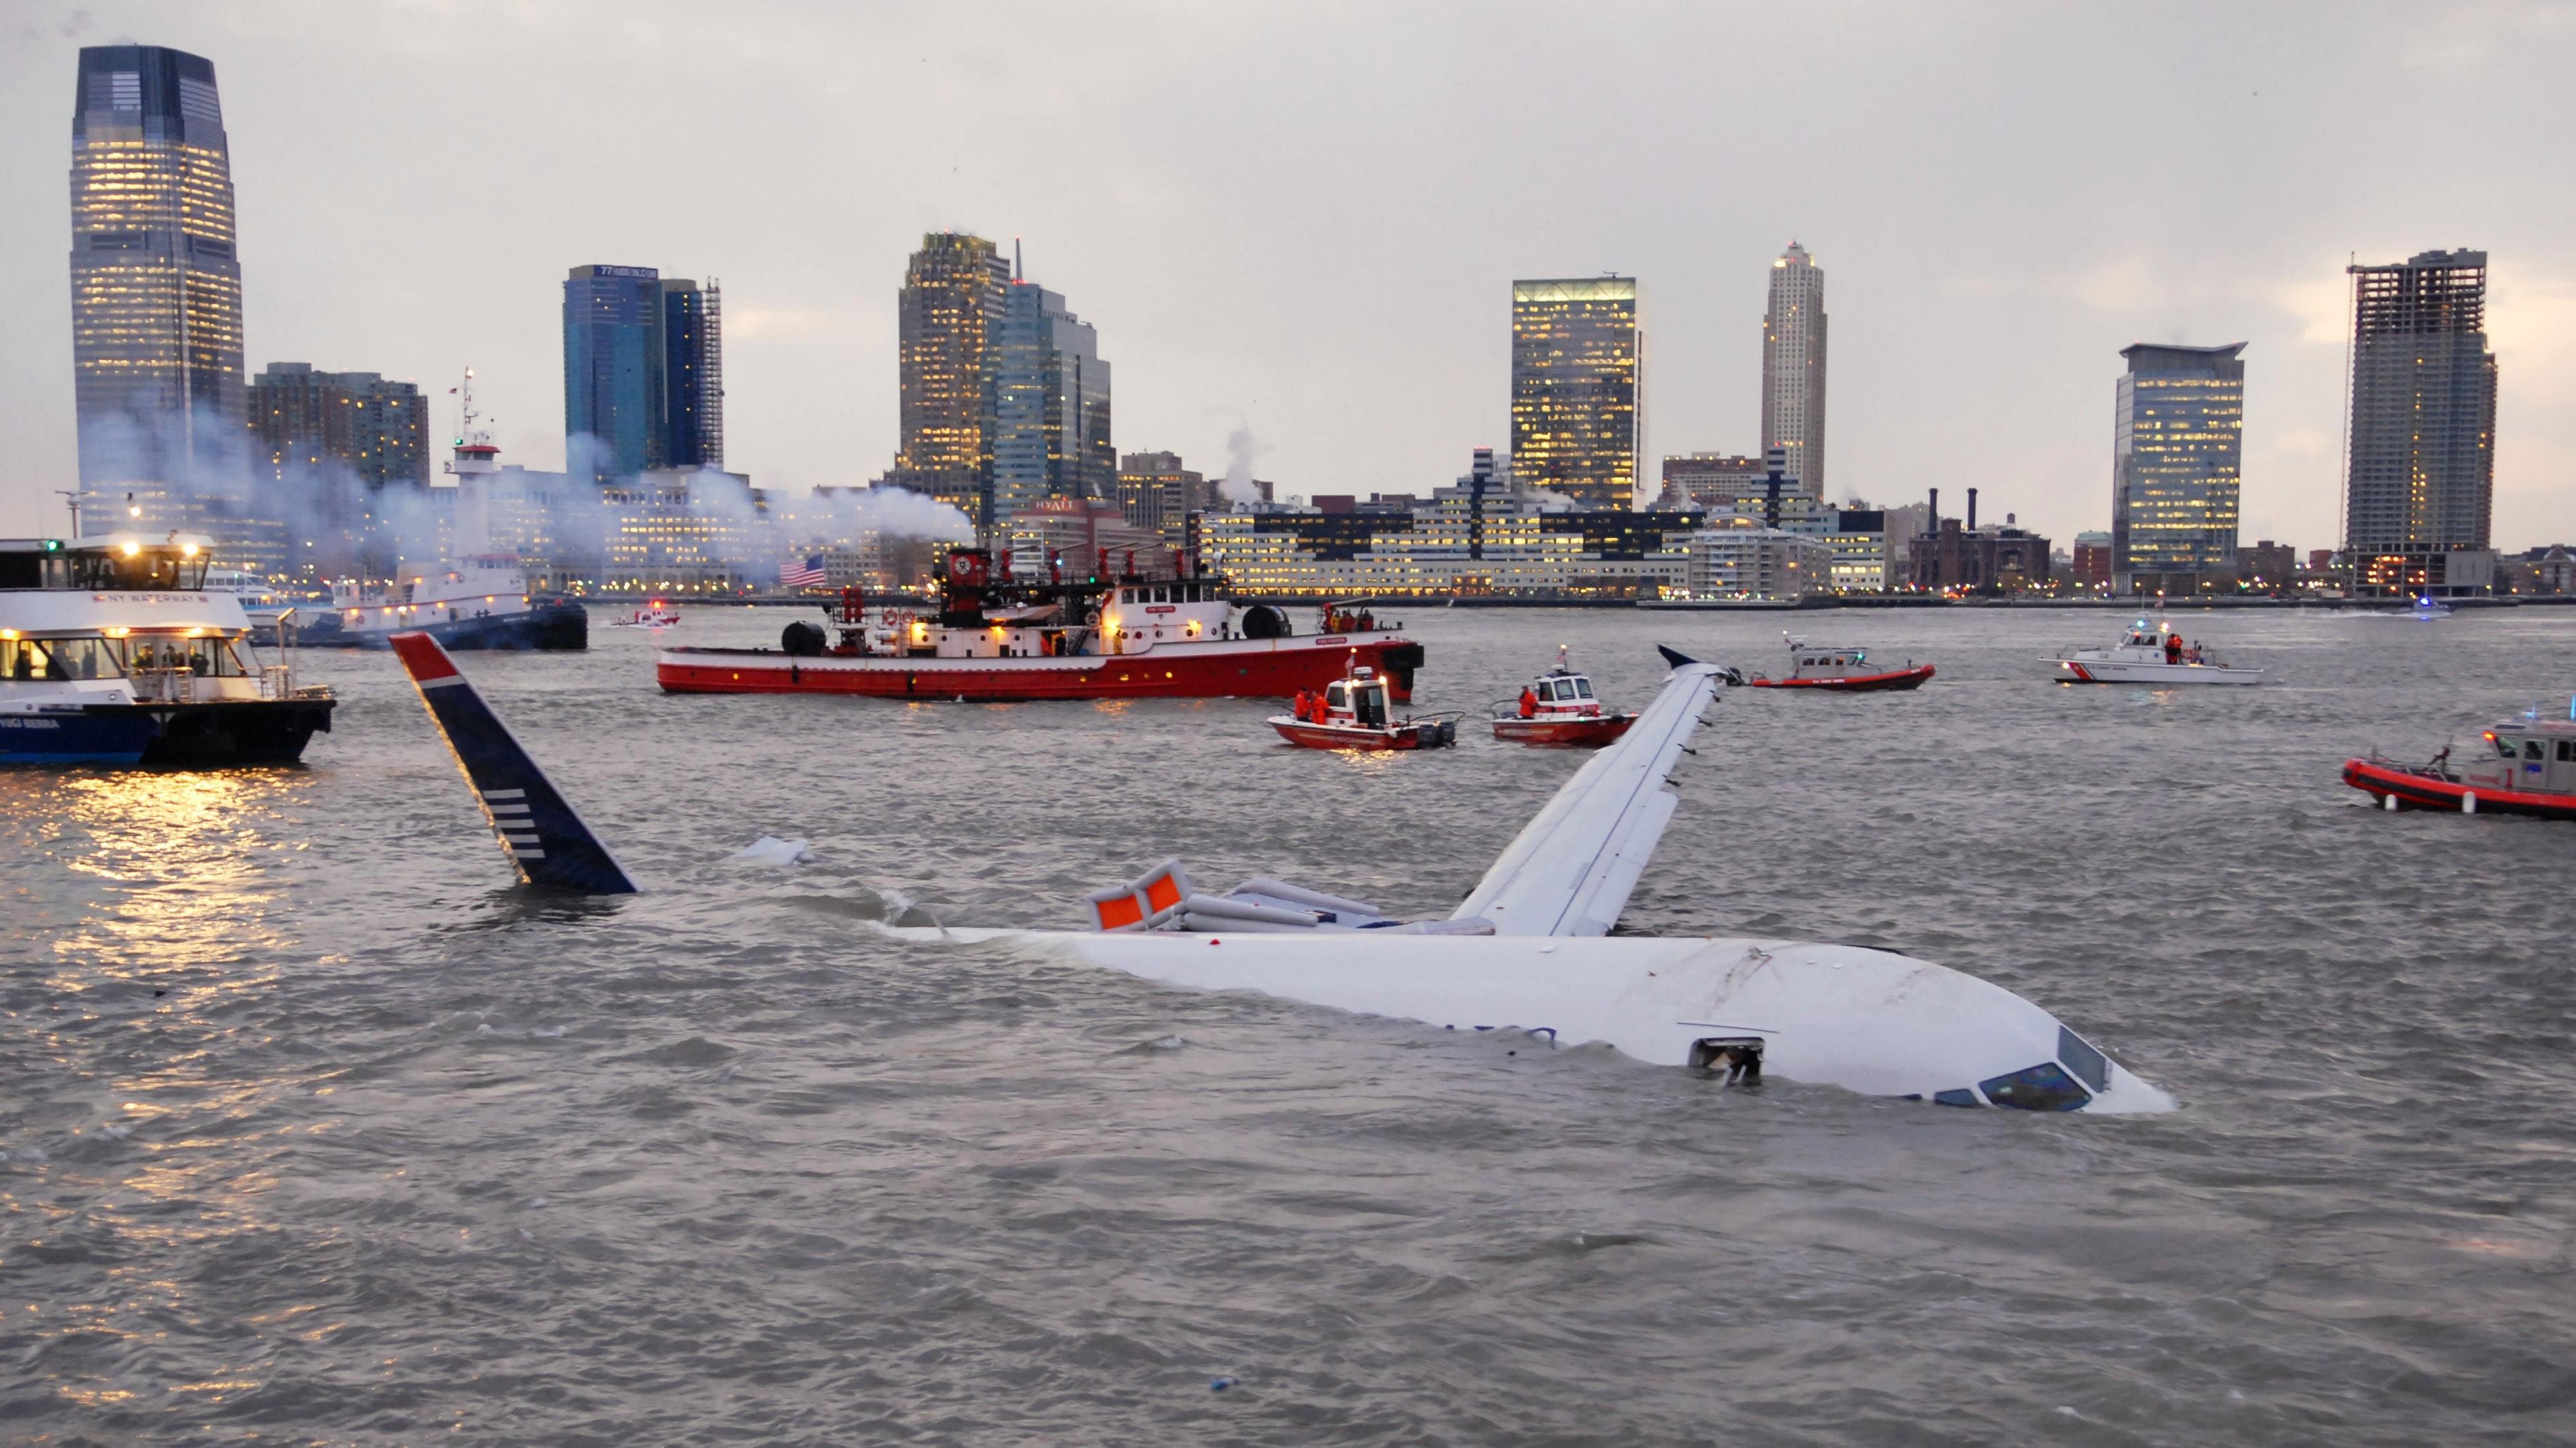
column 1972, row 510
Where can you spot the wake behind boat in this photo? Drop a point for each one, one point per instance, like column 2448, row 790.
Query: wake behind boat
column 2149, row 654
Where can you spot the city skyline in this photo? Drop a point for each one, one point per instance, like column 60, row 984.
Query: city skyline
column 1244, row 318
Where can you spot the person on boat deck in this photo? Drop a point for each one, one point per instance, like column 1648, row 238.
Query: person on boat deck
column 1297, row 706
column 1529, row 703
column 2173, row 648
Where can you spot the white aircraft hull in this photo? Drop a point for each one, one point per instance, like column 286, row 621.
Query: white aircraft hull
column 1835, row 1015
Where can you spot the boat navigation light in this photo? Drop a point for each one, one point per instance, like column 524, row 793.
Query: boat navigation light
column 132, row 548
column 117, row 632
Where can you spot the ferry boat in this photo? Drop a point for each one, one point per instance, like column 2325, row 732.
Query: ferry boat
column 2149, row 654
column 655, row 615
column 2524, row 766
column 477, row 602
column 1352, row 713
column 1558, row 709
column 113, row 651
column 994, row 638
column 1848, row 671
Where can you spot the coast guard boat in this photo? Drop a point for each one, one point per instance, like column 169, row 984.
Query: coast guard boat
column 1841, row 670
column 2524, row 766
column 113, row 651
column 2149, row 654
column 1528, row 952
column 1558, row 709
column 994, row 637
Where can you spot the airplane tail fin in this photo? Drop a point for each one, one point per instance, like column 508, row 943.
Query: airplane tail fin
column 543, row 836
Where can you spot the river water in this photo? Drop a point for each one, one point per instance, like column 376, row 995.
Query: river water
column 317, row 1132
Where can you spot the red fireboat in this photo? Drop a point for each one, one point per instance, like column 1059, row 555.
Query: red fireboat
column 995, row 638
column 1351, row 713
column 1558, row 709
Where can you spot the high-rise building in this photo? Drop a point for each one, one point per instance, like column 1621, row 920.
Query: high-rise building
column 616, row 371
column 1793, row 368
column 1577, row 372
column 2176, row 450
column 2419, row 483
column 692, row 374
column 950, row 308
column 1155, row 491
column 331, row 445
column 156, row 299
column 1050, row 405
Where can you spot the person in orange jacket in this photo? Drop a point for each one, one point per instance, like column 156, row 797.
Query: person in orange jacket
column 1529, row 703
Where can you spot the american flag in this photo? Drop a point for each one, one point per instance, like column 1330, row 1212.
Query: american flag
column 808, row 574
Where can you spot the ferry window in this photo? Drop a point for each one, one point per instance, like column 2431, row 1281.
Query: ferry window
column 2044, row 1087
column 1583, row 687
column 24, row 659
column 83, row 659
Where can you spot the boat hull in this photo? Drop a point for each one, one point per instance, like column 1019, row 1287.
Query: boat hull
column 1580, row 733
column 2383, row 782
column 557, row 624
column 1249, row 668
column 2121, row 671
column 180, row 736
column 1895, row 679
column 1350, row 736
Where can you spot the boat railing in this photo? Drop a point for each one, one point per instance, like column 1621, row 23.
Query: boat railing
column 174, row 685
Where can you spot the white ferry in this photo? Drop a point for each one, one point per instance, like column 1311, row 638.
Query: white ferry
column 114, row 651
column 476, row 602
column 2149, row 654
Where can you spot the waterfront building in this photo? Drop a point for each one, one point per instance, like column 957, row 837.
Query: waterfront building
column 687, row 530
column 2419, row 483
column 1155, row 491
column 692, row 374
column 616, row 371
column 1793, row 368
column 1577, row 419
column 1964, row 558
column 1050, row 405
column 156, row 306
column 329, row 445
column 1694, row 480
column 1744, row 561
column 954, row 291
column 2090, row 564
column 2176, row 455
column 1074, row 532
column 2267, row 565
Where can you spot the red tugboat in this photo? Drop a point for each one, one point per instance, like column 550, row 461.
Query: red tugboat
column 993, row 638
column 1351, row 713
column 2524, row 766
column 1846, row 671
column 1557, row 709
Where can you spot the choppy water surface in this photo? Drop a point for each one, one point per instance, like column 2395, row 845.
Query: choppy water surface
column 316, row 1133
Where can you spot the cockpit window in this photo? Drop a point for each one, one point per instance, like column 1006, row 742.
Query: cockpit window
column 2044, row 1087
column 1583, row 687
column 2504, row 747
column 1958, row 1097
column 2078, row 1056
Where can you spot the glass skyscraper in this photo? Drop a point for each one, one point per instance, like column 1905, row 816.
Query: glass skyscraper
column 1575, row 388
column 2419, row 486
column 156, row 302
column 2176, row 457
column 643, row 372
column 1050, row 405
column 1793, row 369
column 949, row 310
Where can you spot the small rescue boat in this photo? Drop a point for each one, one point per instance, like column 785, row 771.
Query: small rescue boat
column 2524, row 766
column 656, row 615
column 1843, row 670
column 1557, row 709
column 1351, row 713
column 2149, row 654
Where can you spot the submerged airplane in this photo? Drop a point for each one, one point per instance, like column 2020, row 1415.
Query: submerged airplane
column 1528, row 950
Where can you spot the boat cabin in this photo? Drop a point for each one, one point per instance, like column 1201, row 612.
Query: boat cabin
column 1360, row 699
column 1562, row 693
column 1810, row 661
column 2532, row 754
column 123, row 618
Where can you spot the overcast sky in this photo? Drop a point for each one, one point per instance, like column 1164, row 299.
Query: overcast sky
column 1304, row 219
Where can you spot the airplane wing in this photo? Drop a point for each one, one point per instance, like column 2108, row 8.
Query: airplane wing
column 1569, row 872
column 544, row 838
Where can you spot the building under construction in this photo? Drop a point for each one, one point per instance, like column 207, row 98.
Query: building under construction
column 2419, row 478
